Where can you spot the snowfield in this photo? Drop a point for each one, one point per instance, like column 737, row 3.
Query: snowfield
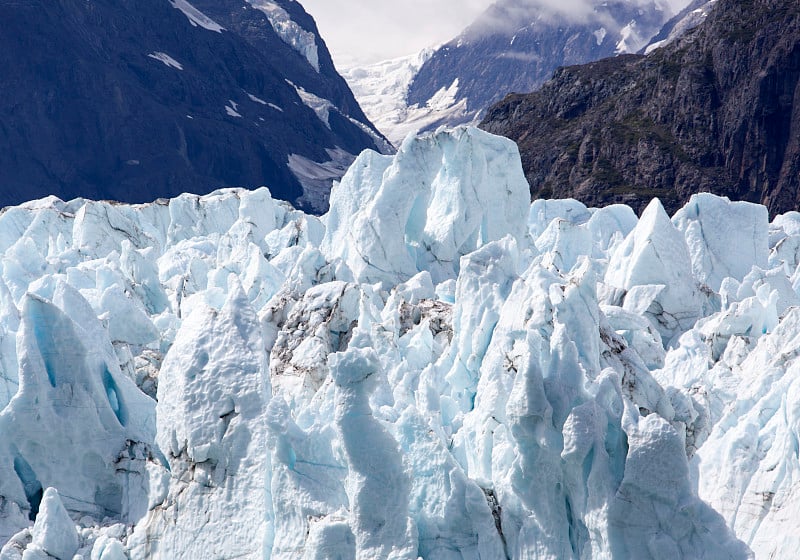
column 435, row 369
column 382, row 91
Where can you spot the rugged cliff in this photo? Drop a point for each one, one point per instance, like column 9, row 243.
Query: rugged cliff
column 138, row 100
column 717, row 110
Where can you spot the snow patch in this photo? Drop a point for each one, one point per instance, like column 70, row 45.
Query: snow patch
column 600, row 35
column 322, row 107
column 631, row 39
column 304, row 42
column 231, row 109
column 196, row 17
column 166, row 59
column 255, row 99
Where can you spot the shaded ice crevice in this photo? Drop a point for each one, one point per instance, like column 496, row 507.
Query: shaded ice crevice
column 30, row 484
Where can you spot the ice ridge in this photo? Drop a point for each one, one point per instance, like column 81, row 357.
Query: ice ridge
column 435, row 369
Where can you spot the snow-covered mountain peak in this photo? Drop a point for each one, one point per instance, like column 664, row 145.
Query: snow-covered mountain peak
column 690, row 17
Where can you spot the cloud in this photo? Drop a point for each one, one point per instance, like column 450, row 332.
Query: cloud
column 359, row 31
column 505, row 16
column 522, row 56
column 364, row 31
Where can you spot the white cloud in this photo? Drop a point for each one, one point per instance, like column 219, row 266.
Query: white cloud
column 363, row 31
column 507, row 15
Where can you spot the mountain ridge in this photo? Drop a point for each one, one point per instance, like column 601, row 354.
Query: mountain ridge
column 630, row 128
column 135, row 101
column 513, row 46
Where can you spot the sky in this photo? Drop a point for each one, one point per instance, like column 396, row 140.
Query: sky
column 360, row 32
column 363, row 31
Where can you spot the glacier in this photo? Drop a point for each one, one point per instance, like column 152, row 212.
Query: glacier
column 382, row 91
column 435, row 369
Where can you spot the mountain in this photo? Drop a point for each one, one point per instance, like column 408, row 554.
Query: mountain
column 382, row 91
column 716, row 110
column 514, row 46
column 138, row 100
column 690, row 17
column 436, row 369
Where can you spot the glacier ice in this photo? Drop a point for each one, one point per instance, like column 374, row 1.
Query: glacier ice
column 211, row 437
column 711, row 225
column 653, row 266
column 71, row 385
column 440, row 197
column 54, row 532
column 435, row 369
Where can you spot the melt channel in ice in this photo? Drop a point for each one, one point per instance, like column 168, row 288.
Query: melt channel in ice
column 435, row 369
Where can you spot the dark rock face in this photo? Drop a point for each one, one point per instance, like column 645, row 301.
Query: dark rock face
column 115, row 99
column 515, row 46
column 717, row 110
column 241, row 18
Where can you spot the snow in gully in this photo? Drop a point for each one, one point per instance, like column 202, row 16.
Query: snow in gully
column 434, row 369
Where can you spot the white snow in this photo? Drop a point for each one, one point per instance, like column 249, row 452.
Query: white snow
column 600, row 35
column 689, row 21
column 322, row 107
column 382, row 89
column 232, row 109
column 196, row 17
column 630, row 39
column 255, row 99
column 289, row 31
column 166, row 59
column 383, row 145
column 434, row 369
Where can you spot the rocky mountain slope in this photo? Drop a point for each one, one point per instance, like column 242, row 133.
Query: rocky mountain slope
column 717, row 110
column 138, row 100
